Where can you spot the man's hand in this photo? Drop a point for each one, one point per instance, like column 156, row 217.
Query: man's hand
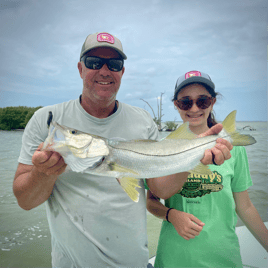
column 221, row 151
column 48, row 162
column 33, row 184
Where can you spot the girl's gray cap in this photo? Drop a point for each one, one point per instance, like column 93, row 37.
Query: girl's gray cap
column 102, row 40
column 194, row 77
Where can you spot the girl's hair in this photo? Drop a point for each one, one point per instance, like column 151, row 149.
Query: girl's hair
column 211, row 121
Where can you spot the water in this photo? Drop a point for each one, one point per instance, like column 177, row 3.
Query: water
column 24, row 235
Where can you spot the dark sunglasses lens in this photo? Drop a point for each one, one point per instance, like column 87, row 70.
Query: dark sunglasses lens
column 93, row 63
column 115, row 65
column 203, row 102
column 185, row 104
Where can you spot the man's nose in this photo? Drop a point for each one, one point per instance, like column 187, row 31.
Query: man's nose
column 104, row 70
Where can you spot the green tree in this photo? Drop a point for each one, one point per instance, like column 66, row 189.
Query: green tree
column 15, row 117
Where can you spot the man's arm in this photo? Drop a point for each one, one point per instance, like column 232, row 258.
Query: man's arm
column 167, row 186
column 33, row 184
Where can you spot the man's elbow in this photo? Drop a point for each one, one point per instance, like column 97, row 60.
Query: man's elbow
column 23, row 203
column 25, row 206
column 160, row 193
column 22, row 200
column 160, row 190
column 164, row 195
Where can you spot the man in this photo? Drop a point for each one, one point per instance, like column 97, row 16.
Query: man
column 93, row 223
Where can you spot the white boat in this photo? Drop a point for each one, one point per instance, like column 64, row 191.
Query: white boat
column 253, row 254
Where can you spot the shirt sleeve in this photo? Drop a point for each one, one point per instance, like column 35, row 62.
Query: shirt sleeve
column 34, row 133
column 154, row 132
column 241, row 180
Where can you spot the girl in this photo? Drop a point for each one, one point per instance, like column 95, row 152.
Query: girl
column 199, row 221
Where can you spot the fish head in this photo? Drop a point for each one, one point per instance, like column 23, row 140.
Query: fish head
column 64, row 140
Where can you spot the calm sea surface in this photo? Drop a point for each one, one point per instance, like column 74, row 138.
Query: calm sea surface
column 24, row 235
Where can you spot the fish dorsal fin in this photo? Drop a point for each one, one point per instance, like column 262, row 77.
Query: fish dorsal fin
column 129, row 185
column 229, row 122
column 182, row 132
column 201, row 169
column 115, row 167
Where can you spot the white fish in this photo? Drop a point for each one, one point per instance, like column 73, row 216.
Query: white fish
column 131, row 160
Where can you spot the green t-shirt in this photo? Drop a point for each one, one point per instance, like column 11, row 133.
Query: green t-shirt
column 210, row 199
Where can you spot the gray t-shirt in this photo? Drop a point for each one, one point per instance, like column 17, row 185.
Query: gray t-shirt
column 93, row 222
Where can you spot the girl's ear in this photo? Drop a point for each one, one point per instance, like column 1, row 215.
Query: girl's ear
column 213, row 102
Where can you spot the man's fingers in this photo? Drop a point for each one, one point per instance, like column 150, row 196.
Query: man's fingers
column 58, row 168
column 48, row 162
column 40, row 157
column 40, row 147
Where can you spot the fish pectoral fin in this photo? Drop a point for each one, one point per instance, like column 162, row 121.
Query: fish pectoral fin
column 238, row 139
column 201, row 169
column 182, row 132
column 129, row 186
column 115, row 167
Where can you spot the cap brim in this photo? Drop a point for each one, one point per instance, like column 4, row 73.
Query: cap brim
column 122, row 54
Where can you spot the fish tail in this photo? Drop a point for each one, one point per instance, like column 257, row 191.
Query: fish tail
column 230, row 128
column 129, row 186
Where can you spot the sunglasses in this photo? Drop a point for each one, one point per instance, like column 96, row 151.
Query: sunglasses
column 96, row 63
column 203, row 102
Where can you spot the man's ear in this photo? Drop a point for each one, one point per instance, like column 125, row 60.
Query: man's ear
column 79, row 66
column 123, row 70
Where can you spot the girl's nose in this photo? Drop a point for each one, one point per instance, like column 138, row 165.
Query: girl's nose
column 194, row 108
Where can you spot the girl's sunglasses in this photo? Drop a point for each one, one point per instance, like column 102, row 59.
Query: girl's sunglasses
column 96, row 63
column 203, row 102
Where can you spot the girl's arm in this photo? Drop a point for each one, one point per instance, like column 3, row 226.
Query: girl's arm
column 250, row 216
column 187, row 225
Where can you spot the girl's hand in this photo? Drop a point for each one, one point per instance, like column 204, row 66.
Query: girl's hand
column 186, row 225
column 220, row 152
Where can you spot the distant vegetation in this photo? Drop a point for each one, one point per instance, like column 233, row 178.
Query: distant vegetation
column 170, row 126
column 16, row 117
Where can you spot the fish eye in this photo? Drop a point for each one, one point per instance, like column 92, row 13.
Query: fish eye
column 73, row 131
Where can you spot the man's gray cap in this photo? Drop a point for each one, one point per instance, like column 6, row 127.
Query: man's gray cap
column 102, row 40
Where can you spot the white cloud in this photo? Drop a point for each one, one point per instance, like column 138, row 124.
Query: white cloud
column 41, row 40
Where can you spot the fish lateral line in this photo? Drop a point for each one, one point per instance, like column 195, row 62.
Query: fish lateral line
column 186, row 150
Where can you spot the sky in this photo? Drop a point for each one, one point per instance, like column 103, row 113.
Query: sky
column 40, row 43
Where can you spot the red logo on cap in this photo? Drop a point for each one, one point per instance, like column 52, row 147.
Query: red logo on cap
column 192, row 73
column 105, row 37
